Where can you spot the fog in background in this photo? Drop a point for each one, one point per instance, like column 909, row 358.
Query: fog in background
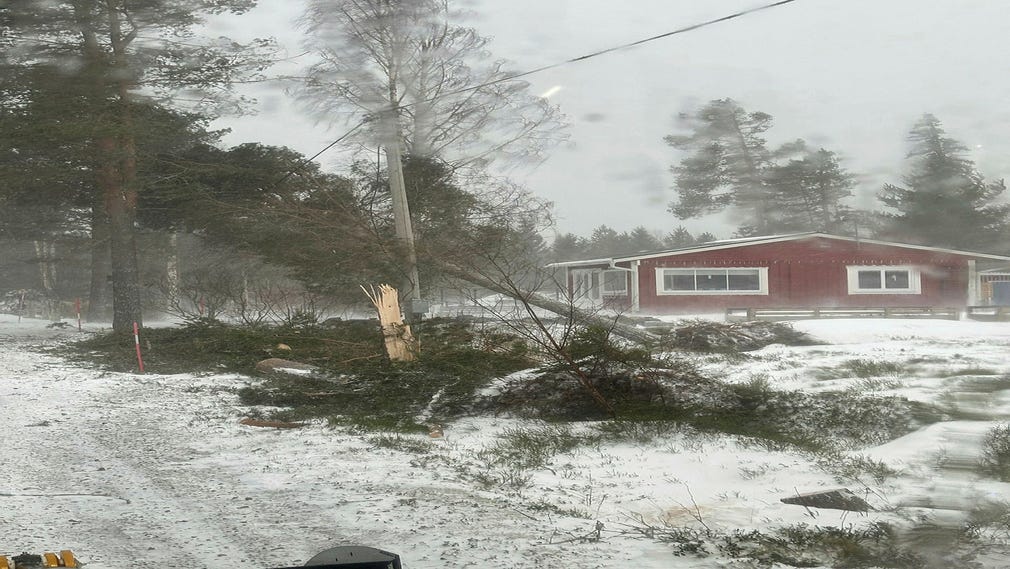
column 851, row 76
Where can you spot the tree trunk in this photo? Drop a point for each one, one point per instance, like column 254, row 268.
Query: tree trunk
column 98, row 297
column 116, row 180
column 118, row 183
column 172, row 271
column 401, row 346
column 565, row 309
column 44, row 253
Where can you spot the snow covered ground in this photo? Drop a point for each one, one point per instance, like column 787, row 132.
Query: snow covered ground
column 155, row 470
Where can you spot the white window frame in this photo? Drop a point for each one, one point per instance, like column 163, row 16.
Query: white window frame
column 623, row 280
column 762, row 282
column 914, row 279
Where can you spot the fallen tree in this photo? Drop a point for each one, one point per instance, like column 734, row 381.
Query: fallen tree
column 568, row 310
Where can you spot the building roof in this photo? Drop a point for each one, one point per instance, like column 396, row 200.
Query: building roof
column 751, row 241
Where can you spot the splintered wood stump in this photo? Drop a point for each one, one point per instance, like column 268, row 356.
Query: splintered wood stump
column 400, row 342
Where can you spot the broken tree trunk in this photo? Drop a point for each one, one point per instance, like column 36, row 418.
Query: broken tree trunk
column 400, row 342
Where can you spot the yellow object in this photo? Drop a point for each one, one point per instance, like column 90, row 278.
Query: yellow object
column 50, row 560
column 4, row 563
column 68, row 558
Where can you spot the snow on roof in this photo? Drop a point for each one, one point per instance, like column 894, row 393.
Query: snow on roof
column 601, row 261
column 746, row 241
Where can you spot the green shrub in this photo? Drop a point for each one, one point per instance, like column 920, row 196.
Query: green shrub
column 873, row 368
column 995, row 460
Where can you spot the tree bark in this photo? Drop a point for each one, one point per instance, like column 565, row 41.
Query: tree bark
column 117, row 178
column 116, row 182
column 172, row 279
column 98, row 297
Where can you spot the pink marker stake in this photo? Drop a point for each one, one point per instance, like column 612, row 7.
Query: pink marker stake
column 136, row 341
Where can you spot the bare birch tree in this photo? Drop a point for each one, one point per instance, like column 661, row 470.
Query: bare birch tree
column 423, row 86
column 449, row 97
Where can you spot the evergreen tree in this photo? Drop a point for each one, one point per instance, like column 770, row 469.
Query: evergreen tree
column 569, row 247
column 725, row 166
column 680, row 237
column 116, row 53
column 809, row 192
column 729, row 167
column 944, row 202
column 705, row 237
column 641, row 239
column 605, row 242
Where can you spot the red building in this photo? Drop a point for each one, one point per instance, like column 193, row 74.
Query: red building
column 801, row 270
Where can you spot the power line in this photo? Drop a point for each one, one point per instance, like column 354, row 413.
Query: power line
column 317, row 154
column 580, row 58
column 629, row 45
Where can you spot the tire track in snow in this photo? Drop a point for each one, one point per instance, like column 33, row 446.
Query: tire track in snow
column 81, row 433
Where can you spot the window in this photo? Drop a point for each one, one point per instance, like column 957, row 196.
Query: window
column 712, row 281
column 884, row 280
column 615, row 283
column 585, row 284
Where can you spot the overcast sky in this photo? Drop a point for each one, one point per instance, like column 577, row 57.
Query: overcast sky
column 849, row 75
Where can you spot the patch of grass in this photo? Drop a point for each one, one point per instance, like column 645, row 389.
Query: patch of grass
column 530, row 448
column 642, row 432
column 205, row 344
column 995, row 459
column 508, row 462
column 543, row 506
column 981, row 383
column 854, row 468
column 875, row 545
column 801, row 545
column 401, row 443
column 864, row 368
column 871, row 384
column 988, row 524
column 968, row 371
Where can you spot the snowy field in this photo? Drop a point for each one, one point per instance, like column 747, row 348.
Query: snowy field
column 155, row 470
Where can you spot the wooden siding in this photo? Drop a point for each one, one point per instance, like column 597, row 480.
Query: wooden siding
column 810, row 272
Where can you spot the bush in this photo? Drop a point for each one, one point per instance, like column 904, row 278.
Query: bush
column 995, row 459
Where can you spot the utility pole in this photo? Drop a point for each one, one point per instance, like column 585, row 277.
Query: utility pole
column 401, row 217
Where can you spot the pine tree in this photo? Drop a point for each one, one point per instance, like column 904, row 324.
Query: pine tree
column 605, row 242
column 725, row 166
column 680, row 237
column 116, row 53
column 945, row 202
column 569, row 247
column 641, row 239
column 809, row 192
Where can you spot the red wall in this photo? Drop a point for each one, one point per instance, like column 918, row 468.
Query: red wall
column 809, row 272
